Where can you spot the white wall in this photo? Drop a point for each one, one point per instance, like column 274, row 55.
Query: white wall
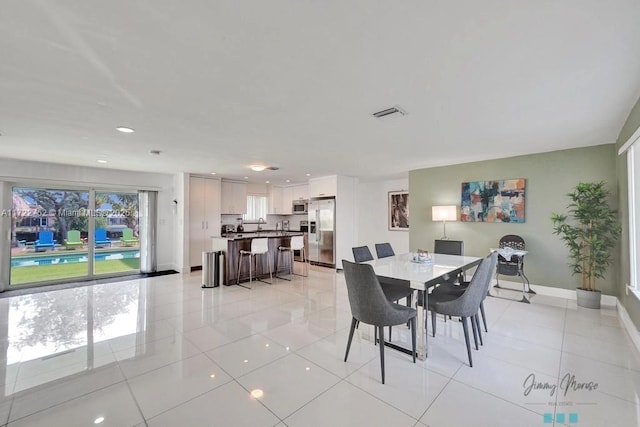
column 257, row 189
column 181, row 232
column 346, row 218
column 373, row 214
column 56, row 175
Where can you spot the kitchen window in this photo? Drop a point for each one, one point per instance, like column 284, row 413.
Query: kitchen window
column 256, row 208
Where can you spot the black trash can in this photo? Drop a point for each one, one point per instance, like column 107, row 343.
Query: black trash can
column 211, row 269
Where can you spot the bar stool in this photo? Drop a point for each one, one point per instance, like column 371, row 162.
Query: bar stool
column 258, row 247
column 296, row 244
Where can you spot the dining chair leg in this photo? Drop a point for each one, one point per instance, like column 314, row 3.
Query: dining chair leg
column 465, row 327
column 408, row 300
column 413, row 338
column 381, row 331
column 433, row 322
column 475, row 332
column 353, row 328
column 389, row 333
column 477, row 320
column 484, row 319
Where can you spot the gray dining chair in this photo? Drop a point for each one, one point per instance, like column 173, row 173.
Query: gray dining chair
column 370, row 305
column 466, row 305
column 457, row 290
column 450, row 247
column 384, row 250
column 396, row 286
column 394, row 289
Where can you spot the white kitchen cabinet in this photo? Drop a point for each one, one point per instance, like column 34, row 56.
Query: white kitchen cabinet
column 321, row 187
column 287, row 200
column 275, row 200
column 204, row 216
column 300, row 192
column 234, row 197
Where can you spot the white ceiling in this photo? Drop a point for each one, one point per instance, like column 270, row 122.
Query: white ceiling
column 219, row 85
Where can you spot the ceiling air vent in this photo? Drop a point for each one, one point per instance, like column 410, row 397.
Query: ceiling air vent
column 388, row 111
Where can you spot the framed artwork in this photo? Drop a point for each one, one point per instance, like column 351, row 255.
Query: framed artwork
column 398, row 210
column 493, row 201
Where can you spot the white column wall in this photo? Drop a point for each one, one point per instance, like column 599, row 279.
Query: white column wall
column 373, row 215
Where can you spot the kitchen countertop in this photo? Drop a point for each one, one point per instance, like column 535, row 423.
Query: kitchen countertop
column 263, row 233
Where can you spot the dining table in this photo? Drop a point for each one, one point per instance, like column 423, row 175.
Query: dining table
column 421, row 274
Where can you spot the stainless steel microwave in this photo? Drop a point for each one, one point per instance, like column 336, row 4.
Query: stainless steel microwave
column 300, row 207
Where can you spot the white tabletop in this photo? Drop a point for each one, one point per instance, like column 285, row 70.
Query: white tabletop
column 421, row 275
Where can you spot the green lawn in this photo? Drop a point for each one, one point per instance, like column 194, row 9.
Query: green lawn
column 39, row 273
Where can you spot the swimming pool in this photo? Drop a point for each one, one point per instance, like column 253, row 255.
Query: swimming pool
column 68, row 258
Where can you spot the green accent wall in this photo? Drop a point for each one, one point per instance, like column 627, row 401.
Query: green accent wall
column 630, row 302
column 549, row 177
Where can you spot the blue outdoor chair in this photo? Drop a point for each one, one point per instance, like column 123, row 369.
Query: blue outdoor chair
column 45, row 240
column 101, row 237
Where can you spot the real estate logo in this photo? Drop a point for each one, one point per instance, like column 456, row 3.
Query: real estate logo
column 532, row 388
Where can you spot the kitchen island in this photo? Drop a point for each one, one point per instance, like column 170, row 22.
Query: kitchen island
column 234, row 242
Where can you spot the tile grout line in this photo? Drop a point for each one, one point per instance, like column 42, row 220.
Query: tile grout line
column 564, row 331
column 439, row 393
column 65, row 401
column 259, row 401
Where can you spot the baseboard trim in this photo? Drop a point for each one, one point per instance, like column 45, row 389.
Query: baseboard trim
column 550, row 291
column 628, row 324
column 608, row 300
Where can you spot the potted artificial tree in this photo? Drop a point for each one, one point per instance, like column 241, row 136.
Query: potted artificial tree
column 590, row 230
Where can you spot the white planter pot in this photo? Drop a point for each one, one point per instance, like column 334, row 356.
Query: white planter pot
column 588, row 299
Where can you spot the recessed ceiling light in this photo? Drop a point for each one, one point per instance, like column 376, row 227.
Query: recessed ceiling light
column 98, row 420
column 257, row 168
column 288, row 180
column 308, row 174
column 101, row 161
column 266, row 182
column 246, row 177
column 257, row 393
column 125, row 129
column 213, row 173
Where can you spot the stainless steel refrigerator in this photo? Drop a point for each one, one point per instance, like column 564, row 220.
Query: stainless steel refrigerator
column 322, row 229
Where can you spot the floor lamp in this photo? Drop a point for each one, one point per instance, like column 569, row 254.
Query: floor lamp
column 444, row 214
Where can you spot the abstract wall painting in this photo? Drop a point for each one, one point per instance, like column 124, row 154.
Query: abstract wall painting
column 493, row 201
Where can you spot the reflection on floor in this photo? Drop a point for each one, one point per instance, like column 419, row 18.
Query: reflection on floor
column 163, row 352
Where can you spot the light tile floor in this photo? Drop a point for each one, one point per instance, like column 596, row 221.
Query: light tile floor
column 164, row 352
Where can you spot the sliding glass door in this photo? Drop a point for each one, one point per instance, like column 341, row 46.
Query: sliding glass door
column 117, row 240
column 49, row 229
column 55, row 232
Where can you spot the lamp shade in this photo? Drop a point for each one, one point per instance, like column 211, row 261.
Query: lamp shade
column 444, row 213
